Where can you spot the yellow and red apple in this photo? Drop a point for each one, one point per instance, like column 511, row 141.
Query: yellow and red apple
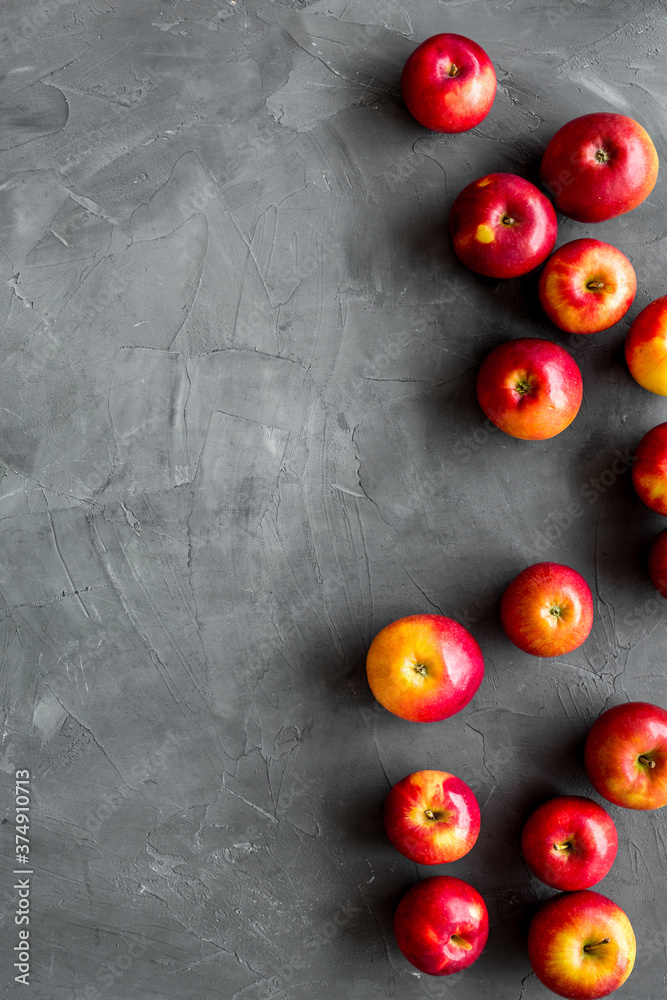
column 626, row 755
column 547, row 610
column 587, row 286
column 449, row 83
column 649, row 470
column 441, row 925
column 581, row 945
column 530, row 388
column 599, row 166
column 569, row 842
column 432, row 817
column 502, row 226
column 646, row 347
column 424, row 667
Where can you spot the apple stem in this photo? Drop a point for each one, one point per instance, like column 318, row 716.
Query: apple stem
column 507, row 220
column 595, row 284
column 460, row 942
column 647, row 761
column 561, row 847
column 589, row 947
column 453, row 69
column 429, row 813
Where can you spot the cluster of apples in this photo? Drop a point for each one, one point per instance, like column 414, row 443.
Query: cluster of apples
column 426, row 668
column 596, row 167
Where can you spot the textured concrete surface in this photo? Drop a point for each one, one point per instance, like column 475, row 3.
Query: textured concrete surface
column 239, row 436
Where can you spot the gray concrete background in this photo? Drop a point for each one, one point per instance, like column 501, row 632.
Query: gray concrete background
column 240, row 435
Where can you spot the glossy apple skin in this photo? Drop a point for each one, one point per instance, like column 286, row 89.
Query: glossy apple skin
column 599, row 166
column 621, row 746
column 430, row 914
column 646, row 347
column 657, row 563
column 502, row 226
column 569, row 842
column 560, row 931
column 439, row 100
column 530, row 388
column 432, row 817
column 587, row 286
column 547, row 610
column 424, row 667
column 649, row 469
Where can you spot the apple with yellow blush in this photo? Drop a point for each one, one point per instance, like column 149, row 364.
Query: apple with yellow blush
column 646, row 347
column 625, row 755
column 530, row 388
column 581, row 945
column 599, row 165
column 649, row 469
column 432, row 817
column 586, row 286
column 502, row 226
column 449, row 83
column 424, row 667
column 547, row 610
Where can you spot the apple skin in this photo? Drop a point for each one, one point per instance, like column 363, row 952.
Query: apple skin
column 561, row 931
column 430, row 914
column 424, row 667
column 657, row 563
column 502, row 226
column 547, row 610
column 646, row 347
column 449, row 83
column 569, row 842
column 530, row 388
column 587, row 286
column 625, row 755
column 432, row 817
column 599, row 166
column 649, row 469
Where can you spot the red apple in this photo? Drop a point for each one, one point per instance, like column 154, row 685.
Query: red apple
column 530, row 388
column 649, row 469
column 587, row 286
column 449, row 83
column 441, row 925
column 599, row 166
column 581, row 945
column 646, row 347
column 502, row 226
column 569, row 842
column 547, row 610
column 432, row 817
column 626, row 755
column 657, row 563
column 424, row 667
